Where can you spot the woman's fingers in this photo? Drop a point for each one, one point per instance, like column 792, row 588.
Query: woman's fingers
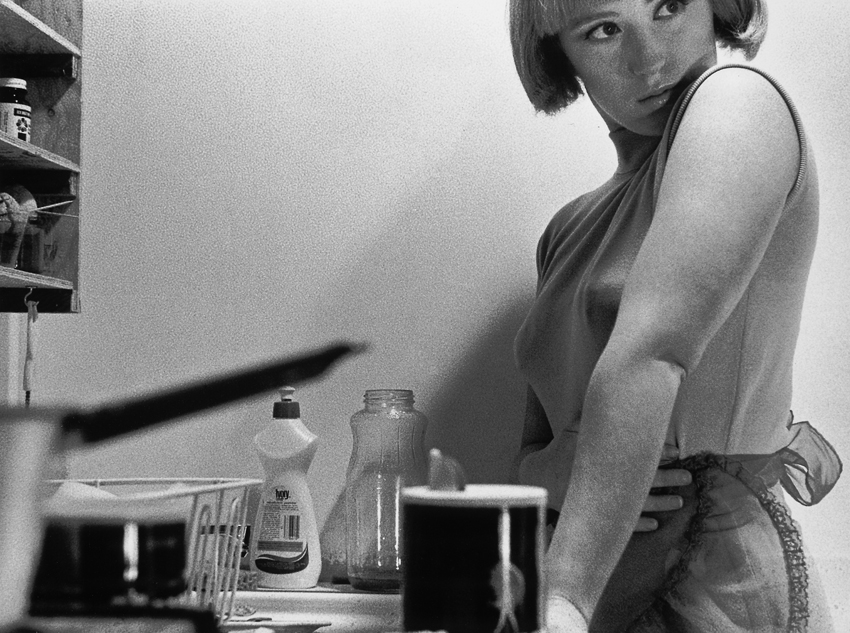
column 664, row 478
column 657, row 503
column 662, row 503
column 645, row 524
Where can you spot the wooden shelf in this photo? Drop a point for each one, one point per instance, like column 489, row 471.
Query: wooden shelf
column 17, row 154
column 20, row 32
column 52, row 294
column 41, row 43
column 55, row 300
column 14, row 278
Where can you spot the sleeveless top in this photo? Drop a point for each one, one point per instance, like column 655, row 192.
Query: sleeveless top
column 738, row 398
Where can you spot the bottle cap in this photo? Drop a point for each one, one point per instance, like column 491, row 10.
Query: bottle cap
column 286, row 409
column 13, row 82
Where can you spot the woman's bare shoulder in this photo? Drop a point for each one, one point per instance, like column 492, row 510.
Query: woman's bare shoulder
column 740, row 96
column 739, row 115
column 744, row 87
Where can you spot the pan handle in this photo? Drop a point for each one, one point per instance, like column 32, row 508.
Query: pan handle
column 86, row 427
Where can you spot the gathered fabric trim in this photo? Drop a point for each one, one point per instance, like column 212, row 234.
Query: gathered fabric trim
column 807, row 468
column 810, row 465
column 787, row 530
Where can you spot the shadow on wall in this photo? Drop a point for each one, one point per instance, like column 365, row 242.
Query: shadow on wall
column 477, row 419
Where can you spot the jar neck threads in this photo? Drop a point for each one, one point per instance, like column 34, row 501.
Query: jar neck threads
column 376, row 399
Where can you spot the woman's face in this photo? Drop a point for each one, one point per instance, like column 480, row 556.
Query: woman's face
column 635, row 56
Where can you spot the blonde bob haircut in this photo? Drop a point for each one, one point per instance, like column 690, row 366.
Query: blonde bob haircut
column 547, row 74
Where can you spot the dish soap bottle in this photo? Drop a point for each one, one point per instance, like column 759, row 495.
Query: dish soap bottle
column 285, row 540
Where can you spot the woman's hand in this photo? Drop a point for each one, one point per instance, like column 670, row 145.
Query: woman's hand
column 550, row 468
column 563, row 617
column 656, row 502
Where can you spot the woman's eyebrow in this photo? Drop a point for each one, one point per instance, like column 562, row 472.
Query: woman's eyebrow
column 586, row 11
column 590, row 15
column 582, row 12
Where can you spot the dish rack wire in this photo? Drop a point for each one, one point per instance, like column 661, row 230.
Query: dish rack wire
column 215, row 531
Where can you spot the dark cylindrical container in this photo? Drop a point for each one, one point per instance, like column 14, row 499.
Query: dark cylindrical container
column 473, row 559
column 89, row 563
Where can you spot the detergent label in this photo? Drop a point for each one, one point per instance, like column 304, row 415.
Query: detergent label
column 280, row 544
column 277, row 564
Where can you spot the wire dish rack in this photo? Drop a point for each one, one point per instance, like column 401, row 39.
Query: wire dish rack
column 215, row 512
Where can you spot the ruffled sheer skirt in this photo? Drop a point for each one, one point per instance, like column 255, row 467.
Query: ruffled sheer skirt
column 732, row 560
column 742, row 566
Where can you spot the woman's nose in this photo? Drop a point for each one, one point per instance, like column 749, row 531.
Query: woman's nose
column 645, row 54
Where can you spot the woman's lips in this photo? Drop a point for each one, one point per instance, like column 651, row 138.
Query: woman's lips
column 657, row 99
column 665, row 93
column 659, row 92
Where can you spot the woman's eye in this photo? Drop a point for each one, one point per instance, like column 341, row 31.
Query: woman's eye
column 603, row 31
column 671, row 8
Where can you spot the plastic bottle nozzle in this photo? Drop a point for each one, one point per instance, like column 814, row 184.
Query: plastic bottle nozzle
column 287, row 408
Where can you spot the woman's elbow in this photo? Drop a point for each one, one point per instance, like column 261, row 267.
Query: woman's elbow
column 677, row 366
column 667, row 355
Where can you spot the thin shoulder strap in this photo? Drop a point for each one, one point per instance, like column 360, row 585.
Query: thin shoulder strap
column 798, row 124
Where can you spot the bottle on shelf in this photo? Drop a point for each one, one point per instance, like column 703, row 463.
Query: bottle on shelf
column 15, row 109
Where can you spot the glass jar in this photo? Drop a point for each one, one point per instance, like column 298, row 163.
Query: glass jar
column 15, row 110
column 388, row 455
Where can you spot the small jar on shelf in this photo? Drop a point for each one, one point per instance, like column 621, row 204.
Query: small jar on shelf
column 15, row 109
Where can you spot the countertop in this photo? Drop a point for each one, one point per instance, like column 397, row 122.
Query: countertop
column 337, row 607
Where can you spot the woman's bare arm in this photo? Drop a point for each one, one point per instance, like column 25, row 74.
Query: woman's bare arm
column 726, row 181
column 546, row 461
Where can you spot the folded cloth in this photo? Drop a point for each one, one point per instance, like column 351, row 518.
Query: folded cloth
column 808, row 467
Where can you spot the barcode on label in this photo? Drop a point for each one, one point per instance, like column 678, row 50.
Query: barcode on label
column 291, row 526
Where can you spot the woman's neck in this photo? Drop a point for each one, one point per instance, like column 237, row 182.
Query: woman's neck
column 632, row 149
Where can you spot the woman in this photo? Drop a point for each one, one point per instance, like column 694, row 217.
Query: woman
column 668, row 306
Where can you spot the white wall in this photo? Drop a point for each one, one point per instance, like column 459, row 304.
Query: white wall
column 265, row 176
